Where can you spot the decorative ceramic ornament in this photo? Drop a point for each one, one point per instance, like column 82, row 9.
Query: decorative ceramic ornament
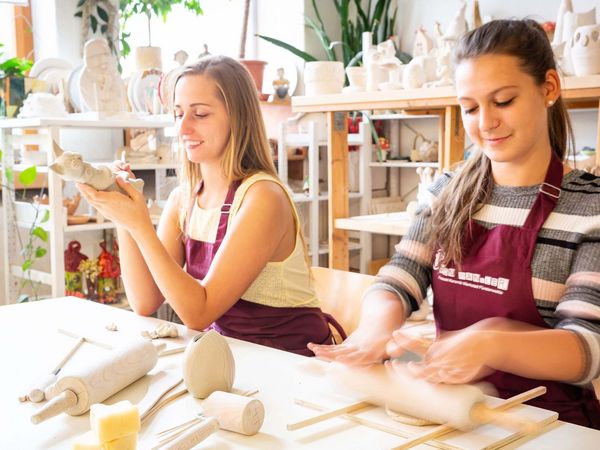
column 42, row 104
column 357, row 76
column 423, row 43
column 573, row 20
column 208, row 365
column 585, row 50
column 565, row 5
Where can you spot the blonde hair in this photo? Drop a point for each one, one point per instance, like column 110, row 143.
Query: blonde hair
column 248, row 150
column 472, row 186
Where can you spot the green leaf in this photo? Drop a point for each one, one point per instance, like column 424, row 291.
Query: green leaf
column 78, row 14
column 296, row 51
column 103, row 29
column 1, row 154
column 80, row 3
column 28, row 176
column 40, row 252
column 9, row 174
column 102, row 13
column 46, row 216
column 94, row 23
column 40, row 233
column 26, row 265
column 323, row 38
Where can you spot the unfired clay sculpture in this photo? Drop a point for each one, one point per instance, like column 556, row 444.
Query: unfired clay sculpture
column 208, row 365
column 164, row 330
column 71, row 167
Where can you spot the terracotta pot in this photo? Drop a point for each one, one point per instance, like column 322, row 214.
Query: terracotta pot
column 256, row 69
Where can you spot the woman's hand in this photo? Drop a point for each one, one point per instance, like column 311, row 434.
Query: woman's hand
column 456, row 357
column 120, row 165
column 363, row 347
column 127, row 210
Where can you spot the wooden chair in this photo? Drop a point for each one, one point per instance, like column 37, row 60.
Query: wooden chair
column 341, row 293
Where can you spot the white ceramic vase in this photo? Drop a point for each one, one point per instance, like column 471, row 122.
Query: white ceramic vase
column 323, row 77
column 585, row 50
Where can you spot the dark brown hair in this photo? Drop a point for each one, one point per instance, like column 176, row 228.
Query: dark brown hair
column 472, row 185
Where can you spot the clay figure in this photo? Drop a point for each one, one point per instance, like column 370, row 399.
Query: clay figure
column 71, row 167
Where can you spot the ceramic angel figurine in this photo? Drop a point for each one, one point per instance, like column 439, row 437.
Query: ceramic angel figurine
column 71, row 167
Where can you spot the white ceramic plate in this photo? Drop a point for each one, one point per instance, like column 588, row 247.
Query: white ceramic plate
column 49, row 63
column 73, row 88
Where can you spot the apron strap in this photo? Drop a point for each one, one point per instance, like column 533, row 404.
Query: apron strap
column 225, row 209
column 547, row 197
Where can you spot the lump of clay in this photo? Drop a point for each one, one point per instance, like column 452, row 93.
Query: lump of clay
column 162, row 331
column 208, row 365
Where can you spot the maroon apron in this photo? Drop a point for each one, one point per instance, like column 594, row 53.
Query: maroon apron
column 494, row 280
column 287, row 328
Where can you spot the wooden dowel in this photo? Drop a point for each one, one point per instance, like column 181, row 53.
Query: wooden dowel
column 63, row 361
column 444, row 429
column 328, row 415
column 91, row 341
column 356, row 419
column 172, row 351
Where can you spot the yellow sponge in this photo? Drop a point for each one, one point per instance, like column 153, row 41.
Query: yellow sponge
column 88, row 441
column 110, row 422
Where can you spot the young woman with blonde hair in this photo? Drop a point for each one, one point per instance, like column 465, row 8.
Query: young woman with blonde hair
column 228, row 253
column 510, row 248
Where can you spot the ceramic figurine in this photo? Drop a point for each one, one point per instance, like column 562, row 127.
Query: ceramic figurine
column 100, row 86
column 392, row 65
column 180, row 57
column 585, row 50
column 71, row 167
column 458, row 24
column 281, row 87
column 565, row 5
column 423, row 43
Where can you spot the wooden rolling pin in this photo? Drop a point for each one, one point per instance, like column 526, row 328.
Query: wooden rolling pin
column 221, row 410
column 459, row 406
column 99, row 380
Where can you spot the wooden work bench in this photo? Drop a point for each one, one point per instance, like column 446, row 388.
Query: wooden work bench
column 32, row 345
column 579, row 92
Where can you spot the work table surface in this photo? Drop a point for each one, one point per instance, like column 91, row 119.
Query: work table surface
column 32, row 346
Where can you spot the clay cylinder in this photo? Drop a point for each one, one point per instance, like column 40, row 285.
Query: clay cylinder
column 236, row 413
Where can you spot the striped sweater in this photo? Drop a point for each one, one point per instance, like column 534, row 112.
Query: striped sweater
column 565, row 265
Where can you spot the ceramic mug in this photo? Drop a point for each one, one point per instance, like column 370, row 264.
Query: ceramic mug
column 323, row 77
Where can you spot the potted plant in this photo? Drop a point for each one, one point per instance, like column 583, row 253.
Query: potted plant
column 32, row 245
column 378, row 20
column 99, row 15
column 14, row 85
column 255, row 67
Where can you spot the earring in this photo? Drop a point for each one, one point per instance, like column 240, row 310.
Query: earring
column 550, row 102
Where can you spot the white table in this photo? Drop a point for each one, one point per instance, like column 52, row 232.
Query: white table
column 30, row 346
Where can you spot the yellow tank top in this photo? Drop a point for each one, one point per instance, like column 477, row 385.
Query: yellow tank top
column 280, row 284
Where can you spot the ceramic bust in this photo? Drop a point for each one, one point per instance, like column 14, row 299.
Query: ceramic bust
column 101, row 87
column 180, row 57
